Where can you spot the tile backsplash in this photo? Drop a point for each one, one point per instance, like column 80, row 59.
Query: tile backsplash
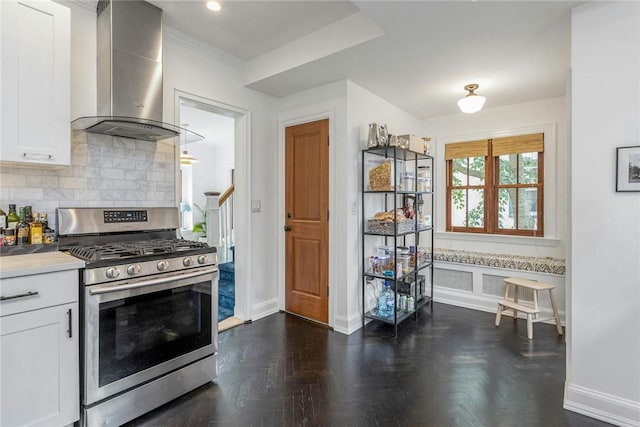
column 104, row 171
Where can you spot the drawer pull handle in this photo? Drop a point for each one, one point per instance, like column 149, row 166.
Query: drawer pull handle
column 28, row 294
column 69, row 318
column 37, row 156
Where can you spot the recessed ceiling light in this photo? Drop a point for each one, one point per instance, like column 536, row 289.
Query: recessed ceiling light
column 214, row 5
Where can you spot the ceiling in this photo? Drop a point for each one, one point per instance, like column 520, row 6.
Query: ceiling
column 417, row 55
column 215, row 128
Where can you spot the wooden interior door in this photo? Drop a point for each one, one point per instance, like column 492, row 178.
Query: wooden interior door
column 307, row 220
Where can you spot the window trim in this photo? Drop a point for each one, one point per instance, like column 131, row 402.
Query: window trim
column 491, row 187
column 449, row 188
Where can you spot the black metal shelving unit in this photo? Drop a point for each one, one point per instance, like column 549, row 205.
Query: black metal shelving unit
column 393, row 199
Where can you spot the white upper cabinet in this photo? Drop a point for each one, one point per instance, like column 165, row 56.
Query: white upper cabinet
column 35, row 82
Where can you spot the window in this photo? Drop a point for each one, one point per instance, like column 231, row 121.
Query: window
column 495, row 185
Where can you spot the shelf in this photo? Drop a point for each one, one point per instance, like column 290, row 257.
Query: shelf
column 411, row 193
column 399, row 192
column 399, row 278
column 425, row 265
column 397, row 230
column 397, row 153
column 368, row 233
column 426, row 299
column 402, row 315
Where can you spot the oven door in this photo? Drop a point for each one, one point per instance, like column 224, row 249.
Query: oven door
column 138, row 330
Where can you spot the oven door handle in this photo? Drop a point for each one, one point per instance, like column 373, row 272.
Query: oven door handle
column 108, row 289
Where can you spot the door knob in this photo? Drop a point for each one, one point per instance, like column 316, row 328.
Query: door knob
column 287, row 228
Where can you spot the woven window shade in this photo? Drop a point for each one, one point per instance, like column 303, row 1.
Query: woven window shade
column 461, row 150
column 533, row 143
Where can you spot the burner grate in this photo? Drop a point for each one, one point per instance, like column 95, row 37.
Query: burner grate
column 133, row 249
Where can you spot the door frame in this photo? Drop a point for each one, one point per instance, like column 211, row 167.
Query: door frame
column 242, row 197
column 294, row 118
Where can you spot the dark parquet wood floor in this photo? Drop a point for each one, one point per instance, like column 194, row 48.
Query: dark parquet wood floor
column 452, row 367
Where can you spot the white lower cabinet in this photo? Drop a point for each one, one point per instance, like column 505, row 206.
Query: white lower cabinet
column 39, row 360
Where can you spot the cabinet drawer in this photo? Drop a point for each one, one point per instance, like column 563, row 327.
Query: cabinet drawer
column 37, row 291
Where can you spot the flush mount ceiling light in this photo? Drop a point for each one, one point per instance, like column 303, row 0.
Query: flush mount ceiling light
column 214, row 5
column 471, row 103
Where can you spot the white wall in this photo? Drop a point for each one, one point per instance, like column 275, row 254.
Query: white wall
column 213, row 173
column 547, row 114
column 350, row 108
column 193, row 68
column 83, row 59
column 603, row 351
column 104, row 171
column 328, row 101
column 363, row 107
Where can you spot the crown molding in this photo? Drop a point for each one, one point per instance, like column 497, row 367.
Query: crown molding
column 90, row 5
column 203, row 48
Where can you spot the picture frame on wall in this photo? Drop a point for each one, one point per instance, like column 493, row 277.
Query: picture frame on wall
column 628, row 168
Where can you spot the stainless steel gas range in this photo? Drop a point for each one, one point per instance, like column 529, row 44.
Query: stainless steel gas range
column 149, row 309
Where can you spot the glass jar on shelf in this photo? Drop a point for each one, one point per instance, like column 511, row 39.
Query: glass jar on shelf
column 381, row 175
column 407, row 182
column 424, row 179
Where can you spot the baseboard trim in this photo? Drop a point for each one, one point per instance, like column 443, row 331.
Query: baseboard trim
column 484, row 303
column 264, row 309
column 602, row 406
column 347, row 325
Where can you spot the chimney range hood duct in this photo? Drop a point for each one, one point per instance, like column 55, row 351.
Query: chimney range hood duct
column 129, row 44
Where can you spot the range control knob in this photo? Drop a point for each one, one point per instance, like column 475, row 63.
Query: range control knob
column 162, row 265
column 202, row 259
column 187, row 262
column 133, row 269
column 112, row 272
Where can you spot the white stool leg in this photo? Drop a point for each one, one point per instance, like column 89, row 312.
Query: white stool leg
column 530, row 326
column 555, row 312
column 498, row 315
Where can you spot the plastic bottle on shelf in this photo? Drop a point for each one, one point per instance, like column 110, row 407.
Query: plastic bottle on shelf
column 386, row 301
column 411, row 304
column 391, row 301
column 383, row 310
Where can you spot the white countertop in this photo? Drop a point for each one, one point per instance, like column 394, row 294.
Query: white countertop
column 46, row 262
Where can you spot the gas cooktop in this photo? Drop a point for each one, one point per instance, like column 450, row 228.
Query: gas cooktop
column 136, row 249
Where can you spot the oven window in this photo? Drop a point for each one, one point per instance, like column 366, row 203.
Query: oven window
column 140, row 332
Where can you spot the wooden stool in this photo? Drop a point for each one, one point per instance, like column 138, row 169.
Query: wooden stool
column 532, row 312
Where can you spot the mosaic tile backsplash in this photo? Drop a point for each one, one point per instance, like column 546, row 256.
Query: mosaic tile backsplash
column 104, row 171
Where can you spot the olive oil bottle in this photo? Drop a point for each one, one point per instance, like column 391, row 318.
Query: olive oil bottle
column 22, row 229
column 12, row 217
column 35, row 231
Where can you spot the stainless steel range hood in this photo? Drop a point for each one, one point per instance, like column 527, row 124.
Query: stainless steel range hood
column 129, row 44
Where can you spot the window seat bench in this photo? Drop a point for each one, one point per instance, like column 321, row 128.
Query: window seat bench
column 475, row 279
column 511, row 262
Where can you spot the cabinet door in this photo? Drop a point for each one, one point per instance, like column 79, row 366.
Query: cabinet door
column 39, row 367
column 35, row 82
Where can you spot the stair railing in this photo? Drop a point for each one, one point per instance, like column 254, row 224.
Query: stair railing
column 227, row 238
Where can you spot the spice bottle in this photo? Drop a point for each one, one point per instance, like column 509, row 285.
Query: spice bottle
column 9, row 237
